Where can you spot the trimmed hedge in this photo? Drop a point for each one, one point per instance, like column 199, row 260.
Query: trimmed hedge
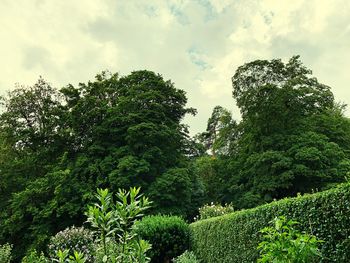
column 168, row 235
column 234, row 237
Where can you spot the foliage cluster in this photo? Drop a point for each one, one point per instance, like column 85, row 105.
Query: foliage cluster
column 58, row 146
column 292, row 138
column 169, row 236
column 235, row 237
column 113, row 239
column 113, row 222
column 186, row 257
column 5, row 253
column 35, row 257
column 284, row 244
column 77, row 239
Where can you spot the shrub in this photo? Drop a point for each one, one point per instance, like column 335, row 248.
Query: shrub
column 212, row 210
column 169, row 236
column 186, row 257
column 234, row 237
column 114, row 221
column 35, row 257
column 5, row 253
column 73, row 239
column 283, row 243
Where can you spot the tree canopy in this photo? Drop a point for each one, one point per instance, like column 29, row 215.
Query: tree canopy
column 286, row 142
column 58, row 145
column 61, row 145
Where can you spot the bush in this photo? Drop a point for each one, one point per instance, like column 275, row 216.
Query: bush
column 5, row 253
column 212, row 210
column 35, row 257
column 283, row 243
column 113, row 222
column 169, row 236
column 234, row 237
column 186, row 257
column 73, row 239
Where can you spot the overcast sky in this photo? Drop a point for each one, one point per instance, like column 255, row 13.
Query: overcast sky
column 198, row 44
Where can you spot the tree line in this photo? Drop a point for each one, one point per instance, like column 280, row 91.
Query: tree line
column 58, row 145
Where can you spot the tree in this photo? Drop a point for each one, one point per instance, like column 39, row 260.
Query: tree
column 283, row 148
column 292, row 137
column 132, row 126
column 32, row 120
column 221, row 132
column 115, row 132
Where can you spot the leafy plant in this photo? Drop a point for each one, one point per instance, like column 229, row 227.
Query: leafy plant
column 284, row 244
column 186, row 257
column 63, row 256
column 5, row 253
column 114, row 221
column 35, row 257
column 169, row 236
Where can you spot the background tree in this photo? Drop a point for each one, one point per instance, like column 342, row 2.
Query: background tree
column 220, row 133
column 113, row 132
column 292, row 137
column 282, row 148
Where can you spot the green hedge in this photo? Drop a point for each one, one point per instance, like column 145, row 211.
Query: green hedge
column 169, row 236
column 234, row 237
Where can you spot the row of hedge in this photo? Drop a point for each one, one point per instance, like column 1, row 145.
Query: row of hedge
column 234, row 237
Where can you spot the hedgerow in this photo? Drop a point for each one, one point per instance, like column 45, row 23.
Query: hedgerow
column 234, row 237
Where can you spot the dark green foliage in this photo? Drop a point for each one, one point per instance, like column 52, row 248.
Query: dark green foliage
column 169, row 236
column 57, row 147
column 293, row 138
column 234, row 237
column 170, row 187
column 282, row 148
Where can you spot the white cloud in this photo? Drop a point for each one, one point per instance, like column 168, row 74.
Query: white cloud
column 196, row 43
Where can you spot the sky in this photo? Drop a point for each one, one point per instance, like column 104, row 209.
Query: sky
column 197, row 44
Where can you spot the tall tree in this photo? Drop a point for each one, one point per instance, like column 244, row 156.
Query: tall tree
column 292, row 137
column 282, row 149
column 221, row 132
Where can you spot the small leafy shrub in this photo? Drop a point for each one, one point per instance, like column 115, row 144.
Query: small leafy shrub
column 212, row 210
column 35, row 257
column 5, row 253
column 65, row 257
column 113, row 222
column 169, row 236
column 77, row 239
column 186, row 257
column 283, row 243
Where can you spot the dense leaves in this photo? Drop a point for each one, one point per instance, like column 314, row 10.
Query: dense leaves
column 235, row 237
column 169, row 236
column 292, row 137
column 58, row 146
